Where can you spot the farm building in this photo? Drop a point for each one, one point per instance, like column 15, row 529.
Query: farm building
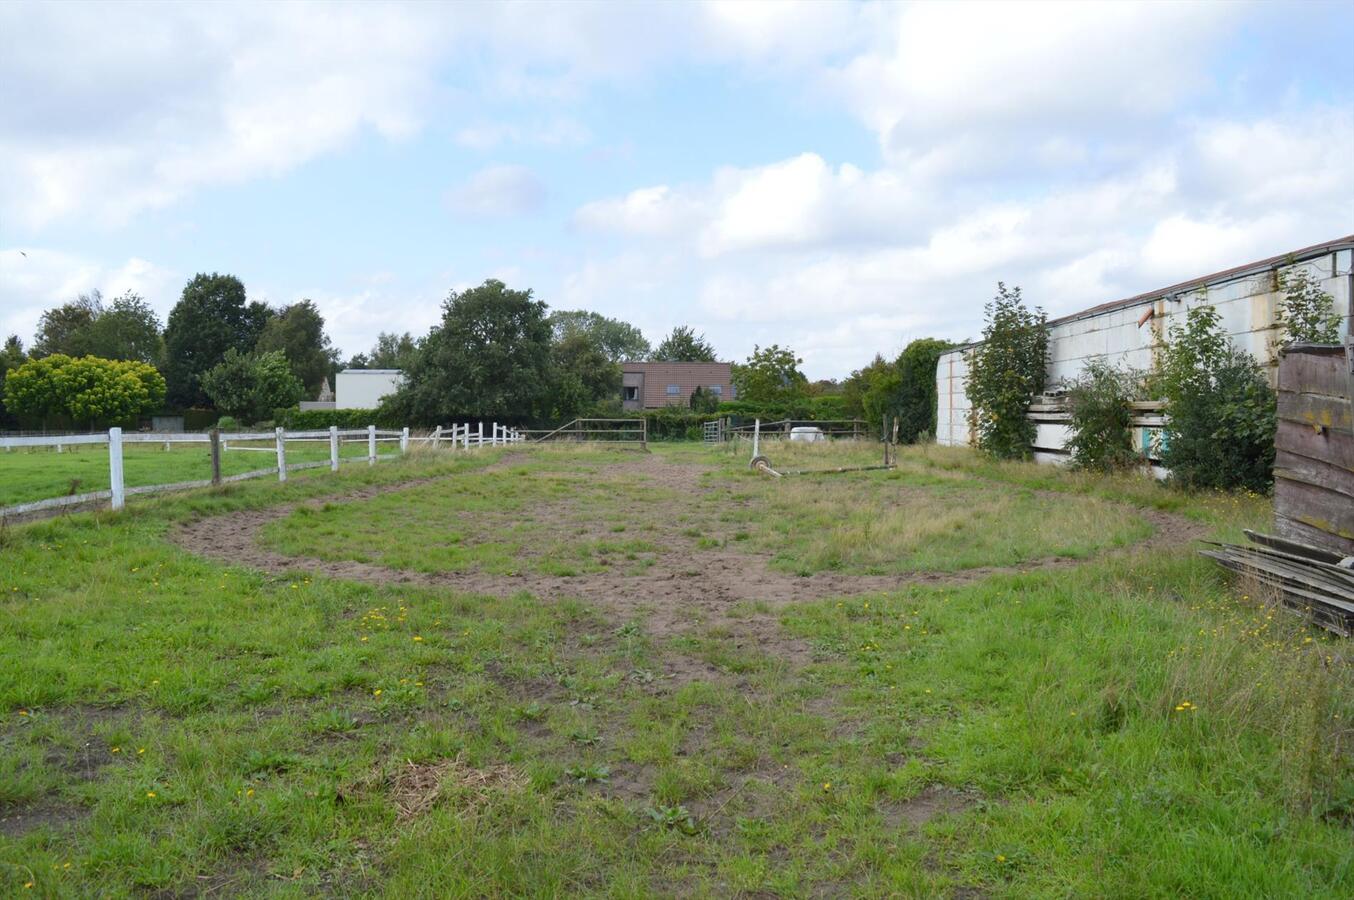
column 652, row 385
column 364, row 388
column 1126, row 332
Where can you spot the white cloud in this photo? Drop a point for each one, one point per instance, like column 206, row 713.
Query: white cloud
column 557, row 132
column 651, row 212
column 33, row 280
column 498, row 191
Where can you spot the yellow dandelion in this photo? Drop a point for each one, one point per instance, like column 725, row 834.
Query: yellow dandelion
column 418, row 638
column 150, row 794
column 376, row 693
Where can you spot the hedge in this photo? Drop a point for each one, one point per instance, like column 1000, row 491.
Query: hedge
column 313, row 419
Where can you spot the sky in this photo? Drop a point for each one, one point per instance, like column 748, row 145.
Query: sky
column 840, row 178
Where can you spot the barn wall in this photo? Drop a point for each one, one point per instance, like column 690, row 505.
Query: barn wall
column 1246, row 305
column 1314, row 449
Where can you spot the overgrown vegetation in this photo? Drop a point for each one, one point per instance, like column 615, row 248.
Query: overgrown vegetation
column 1099, row 404
column 1306, row 311
column 88, row 391
column 1006, row 371
column 1220, row 410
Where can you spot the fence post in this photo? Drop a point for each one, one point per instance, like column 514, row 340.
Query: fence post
column 115, row 466
column 437, row 438
column 371, row 445
column 333, row 448
column 404, row 441
column 216, row 455
column 756, row 436
column 281, row 454
column 465, row 437
column 479, row 439
column 644, row 420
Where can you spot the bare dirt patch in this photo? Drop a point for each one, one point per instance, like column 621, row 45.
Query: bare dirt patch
column 18, row 822
column 934, row 801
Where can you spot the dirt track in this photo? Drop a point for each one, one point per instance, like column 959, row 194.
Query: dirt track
column 675, row 594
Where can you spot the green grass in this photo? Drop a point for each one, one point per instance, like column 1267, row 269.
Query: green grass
column 38, row 474
column 172, row 725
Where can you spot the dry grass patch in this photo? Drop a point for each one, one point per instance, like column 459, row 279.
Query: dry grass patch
column 418, row 787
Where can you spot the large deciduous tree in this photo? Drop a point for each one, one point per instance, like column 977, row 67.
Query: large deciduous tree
column 684, row 345
column 12, row 356
column 126, row 329
column 489, row 358
column 298, row 332
column 65, row 329
column 617, row 340
column 584, row 376
column 391, row 351
column 771, row 375
column 213, row 316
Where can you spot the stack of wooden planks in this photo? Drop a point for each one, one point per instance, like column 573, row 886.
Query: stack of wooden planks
column 1316, row 582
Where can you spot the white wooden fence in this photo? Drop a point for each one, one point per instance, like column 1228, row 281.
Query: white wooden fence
column 452, row 437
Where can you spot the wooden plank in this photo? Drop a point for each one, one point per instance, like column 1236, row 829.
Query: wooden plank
column 1297, row 548
column 1321, row 507
column 1331, row 446
column 1314, row 371
column 1316, row 409
column 1297, row 530
column 1314, row 471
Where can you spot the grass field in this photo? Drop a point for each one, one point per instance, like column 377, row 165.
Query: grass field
column 37, row 474
column 606, row 673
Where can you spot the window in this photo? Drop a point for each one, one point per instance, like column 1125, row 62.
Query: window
column 717, row 390
column 632, row 393
column 674, row 390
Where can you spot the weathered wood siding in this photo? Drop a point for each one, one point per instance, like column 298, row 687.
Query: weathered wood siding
column 1314, row 449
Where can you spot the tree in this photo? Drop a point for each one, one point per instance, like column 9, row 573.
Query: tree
column 392, row 351
column 771, row 375
column 684, row 345
column 297, row 331
column 1220, row 410
column 616, row 339
column 1099, row 406
column 704, row 401
column 584, row 375
column 11, row 357
column 65, row 329
column 916, row 404
column 212, row 317
column 1306, row 311
column 251, row 385
column 128, row 329
column 489, row 358
column 1005, row 372
column 89, row 390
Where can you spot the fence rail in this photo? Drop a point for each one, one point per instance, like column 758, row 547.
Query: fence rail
column 461, row 436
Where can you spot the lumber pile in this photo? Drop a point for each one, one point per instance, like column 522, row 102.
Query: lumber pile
column 1313, row 581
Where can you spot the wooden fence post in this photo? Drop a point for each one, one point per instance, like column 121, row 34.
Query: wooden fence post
column 493, row 436
column 371, row 445
column 756, row 436
column 333, row 448
column 437, row 438
column 281, row 454
column 465, row 437
column 216, row 455
column 115, row 467
column 404, row 441
column 479, row 441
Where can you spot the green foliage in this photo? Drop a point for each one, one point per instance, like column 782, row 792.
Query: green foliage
column 392, row 351
column 128, row 329
column 314, row 419
column 489, row 359
column 916, row 405
column 1306, row 312
column 771, row 375
column 703, row 401
column 89, row 390
column 12, row 356
column 1098, row 402
column 213, row 316
column 228, row 423
column 298, row 332
column 1006, row 371
column 584, row 375
column 251, row 385
column 1220, row 409
column 684, row 345
column 617, row 340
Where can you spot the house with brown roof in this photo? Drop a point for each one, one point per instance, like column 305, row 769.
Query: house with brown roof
column 653, row 385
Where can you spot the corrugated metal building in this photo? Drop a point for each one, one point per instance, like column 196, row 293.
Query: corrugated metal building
column 652, row 385
column 1125, row 332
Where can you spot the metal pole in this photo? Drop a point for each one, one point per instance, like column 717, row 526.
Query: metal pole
column 281, row 454
column 115, row 466
column 333, row 448
column 371, row 445
column 216, row 455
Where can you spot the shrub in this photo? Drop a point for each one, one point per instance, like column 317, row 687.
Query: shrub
column 1101, row 417
column 1220, row 410
column 228, row 423
column 1306, row 312
column 1005, row 372
column 917, row 388
column 89, row 390
column 249, row 385
column 316, row 419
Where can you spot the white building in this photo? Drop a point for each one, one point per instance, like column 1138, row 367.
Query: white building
column 364, row 388
column 1125, row 332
